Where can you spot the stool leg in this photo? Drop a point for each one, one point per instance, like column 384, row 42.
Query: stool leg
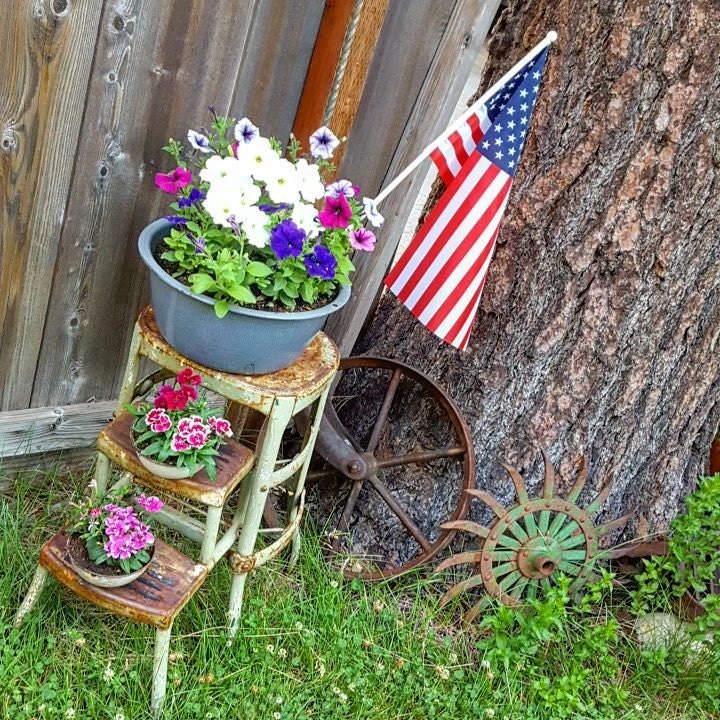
column 132, row 370
column 160, row 664
column 38, row 583
column 212, row 525
column 261, row 480
column 298, row 482
column 102, row 475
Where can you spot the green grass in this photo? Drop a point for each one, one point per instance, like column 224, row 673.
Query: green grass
column 313, row 645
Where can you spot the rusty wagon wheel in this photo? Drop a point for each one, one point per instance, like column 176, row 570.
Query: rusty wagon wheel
column 366, row 437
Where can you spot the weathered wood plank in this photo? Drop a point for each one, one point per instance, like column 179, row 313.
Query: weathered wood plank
column 24, row 432
column 46, row 53
column 158, row 66
column 275, row 62
column 456, row 50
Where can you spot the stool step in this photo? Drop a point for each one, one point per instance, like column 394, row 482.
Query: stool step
column 155, row 598
column 233, row 463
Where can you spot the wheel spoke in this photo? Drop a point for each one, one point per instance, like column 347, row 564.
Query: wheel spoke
column 572, row 541
column 558, row 521
column 531, row 590
column 569, row 568
column 344, row 522
column 504, row 569
column 384, row 410
column 543, row 521
column 508, row 542
column 574, row 555
column 531, row 525
column 510, row 580
column 567, row 531
column 518, row 588
column 404, row 518
column 420, row 457
column 518, row 531
column 504, row 554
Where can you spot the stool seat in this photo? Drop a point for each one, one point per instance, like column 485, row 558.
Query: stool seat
column 304, row 378
column 155, row 598
column 233, row 463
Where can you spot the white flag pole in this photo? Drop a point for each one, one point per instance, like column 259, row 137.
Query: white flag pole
column 550, row 38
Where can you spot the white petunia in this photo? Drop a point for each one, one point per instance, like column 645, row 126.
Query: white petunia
column 309, row 181
column 245, row 131
column 372, row 213
column 323, row 143
column 217, row 168
column 305, row 217
column 222, row 202
column 258, row 158
column 253, row 222
column 282, row 183
column 199, row 141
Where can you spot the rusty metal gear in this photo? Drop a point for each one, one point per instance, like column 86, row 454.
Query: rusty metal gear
column 530, row 542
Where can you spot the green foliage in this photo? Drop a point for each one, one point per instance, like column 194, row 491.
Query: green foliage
column 692, row 562
column 313, row 645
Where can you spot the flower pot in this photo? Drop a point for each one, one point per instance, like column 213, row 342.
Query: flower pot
column 169, row 472
column 100, row 575
column 246, row 341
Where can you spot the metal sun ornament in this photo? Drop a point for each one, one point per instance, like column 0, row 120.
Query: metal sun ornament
column 528, row 543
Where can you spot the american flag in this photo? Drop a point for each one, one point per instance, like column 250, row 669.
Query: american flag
column 441, row 275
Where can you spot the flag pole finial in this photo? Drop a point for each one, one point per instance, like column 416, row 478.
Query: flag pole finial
column 552, row 36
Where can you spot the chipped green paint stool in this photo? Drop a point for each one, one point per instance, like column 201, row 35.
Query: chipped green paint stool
column 244, row 478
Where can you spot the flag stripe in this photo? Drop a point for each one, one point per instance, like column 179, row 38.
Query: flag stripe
column 461, row 229
column 441, row 313
column 422, row 244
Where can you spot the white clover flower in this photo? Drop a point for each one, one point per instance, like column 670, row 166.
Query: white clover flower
column 199, row 141
column 305, row 217
column 372, row 213
column 253, row 222
column 245, row 131
column 108, row 674
column 323, row 143
column 70, row 713
column 309, row 181
column 218, row 168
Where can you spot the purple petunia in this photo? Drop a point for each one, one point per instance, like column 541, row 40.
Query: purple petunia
column 286, row 240
column 272, row 209
column 174, row 181
column 342, row 187
column 193, row 198
column 175, row 219
column 320, row 263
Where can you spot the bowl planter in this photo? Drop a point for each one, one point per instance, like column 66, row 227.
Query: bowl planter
column 246, row 341
column 163, row 470
column 100, row 575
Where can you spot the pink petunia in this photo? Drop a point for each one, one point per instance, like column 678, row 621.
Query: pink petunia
column 179, row 443
column 174, row 181
column 336, row 214
column 362, row 239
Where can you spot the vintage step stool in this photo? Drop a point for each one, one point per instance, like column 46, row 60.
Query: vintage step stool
column 160, row 593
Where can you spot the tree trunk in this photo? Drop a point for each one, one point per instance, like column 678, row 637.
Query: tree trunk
column 598, row 329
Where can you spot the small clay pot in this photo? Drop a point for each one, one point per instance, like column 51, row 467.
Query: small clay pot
column 169, row 472
column 100, row 575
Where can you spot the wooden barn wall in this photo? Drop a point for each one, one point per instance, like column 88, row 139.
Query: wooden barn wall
column 90, row 90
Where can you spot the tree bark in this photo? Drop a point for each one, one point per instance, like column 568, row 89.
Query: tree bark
column 597, row 334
